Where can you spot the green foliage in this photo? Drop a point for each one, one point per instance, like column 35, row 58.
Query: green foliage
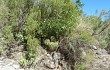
column 3, row 13
column 7, row 34
column 80, row 66
column 108, row 36
column 103, row 44
column 89, row 56
column 1, row 50
column 52, row 18
column 79, row 3
column 51, row 45
column 32, row 23
column 96, row 22
column 23, row 62
column 97, row 30
column 32, row 47
column 85, row 36
column 19, row 37
column 45, row 18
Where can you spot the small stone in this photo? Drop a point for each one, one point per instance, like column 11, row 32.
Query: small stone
column 16, row 66
column 20, row 69
column 49, row 64
column 83, row 52
column 104, row 59
column 94, row 47
column 1, row 61
column 49, row 56
column 56, row 56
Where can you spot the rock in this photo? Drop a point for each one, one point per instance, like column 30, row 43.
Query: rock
column 102, row 59
column 56, row 56
column 83, row 53
column 20, row 69
column 7, row 68
column 16, row 66
column 49, row 56
column 94, row 47
column 49, row 64
column 9, row 64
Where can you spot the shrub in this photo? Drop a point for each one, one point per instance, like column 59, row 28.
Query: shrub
column 52, row 18
column 32, row 47
column 51, row 46
column 19, row 37
column 80, row 66
column 83, row 36
column 7, row 34
column 42, row 19
column 23, row 62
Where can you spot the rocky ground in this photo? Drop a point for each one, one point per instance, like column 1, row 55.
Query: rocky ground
column 9, row 64
column 44, row 61
column 101, row 61
column 51, row 62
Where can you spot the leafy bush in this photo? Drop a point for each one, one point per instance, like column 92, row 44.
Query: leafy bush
column 3, row 13
column 42, row 19
column 85, row 36
column 32, row 47
column 51, row 46
column 52, row 18
column 7, row 34
column 23, row 62
column 80, row 66
column 94, row 21
column 19, row 37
